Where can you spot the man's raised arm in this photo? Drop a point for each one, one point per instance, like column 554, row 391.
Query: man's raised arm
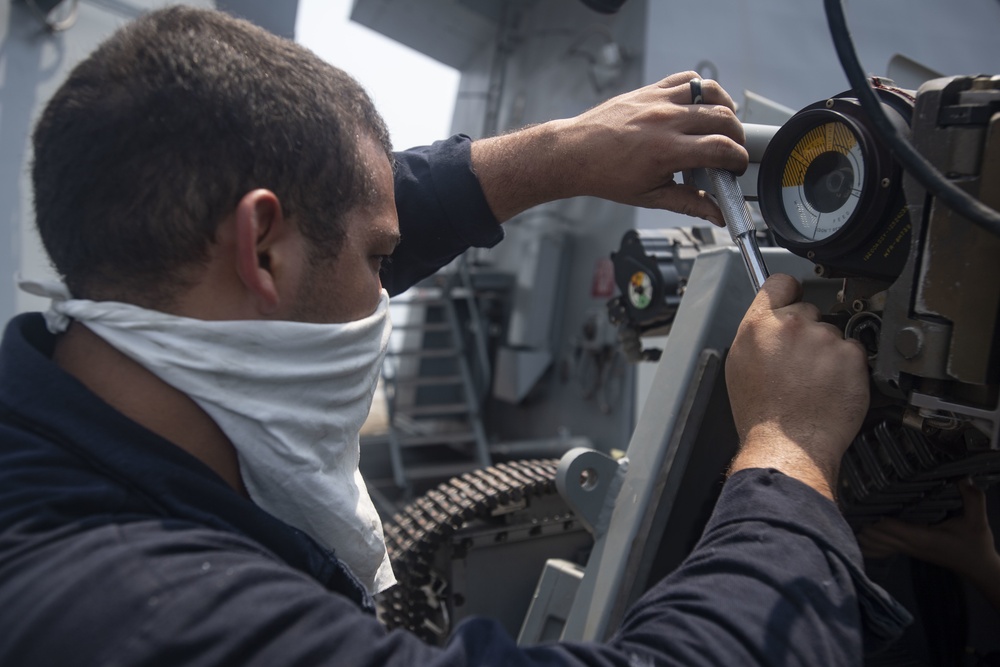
column 626, row 149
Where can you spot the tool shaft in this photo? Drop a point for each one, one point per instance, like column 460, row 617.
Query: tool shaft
column 739, row 222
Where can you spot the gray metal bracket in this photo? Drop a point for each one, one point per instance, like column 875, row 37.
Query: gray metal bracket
column 717, row 296
column 588, row 481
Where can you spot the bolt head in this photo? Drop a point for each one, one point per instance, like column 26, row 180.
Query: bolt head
column 909, row 342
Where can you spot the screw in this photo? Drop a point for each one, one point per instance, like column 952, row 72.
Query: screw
column 909, row 342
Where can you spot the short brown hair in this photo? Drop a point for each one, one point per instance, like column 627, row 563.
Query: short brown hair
column 155, row 137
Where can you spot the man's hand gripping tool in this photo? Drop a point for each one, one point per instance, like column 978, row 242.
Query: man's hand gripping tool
column 735, row 211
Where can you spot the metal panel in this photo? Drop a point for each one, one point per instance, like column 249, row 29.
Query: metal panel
column 714, row 303
column 277, row 17
column 450, row 31
column 33, row 63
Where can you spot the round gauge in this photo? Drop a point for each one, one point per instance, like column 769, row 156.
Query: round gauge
column 819, row 178
column 822, row 180
column 640, row 290
column 830, row 191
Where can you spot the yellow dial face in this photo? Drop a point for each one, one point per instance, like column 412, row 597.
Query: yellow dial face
column 821, row 183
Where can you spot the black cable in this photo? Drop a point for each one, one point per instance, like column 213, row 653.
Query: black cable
column 958, row 200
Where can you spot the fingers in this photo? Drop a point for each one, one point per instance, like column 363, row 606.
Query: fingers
column 877, row 545
column 890, row 536
column 715, row 108
column 678, row 87
column 714, row 115
column 688, row 200
column 797, row 392
column 974, row 503
column 633, row 145
column 781, row 298
column 876, row 552
column 899, row 533
column 709, row 140
column 705, row 135
column 713, row 93
column 778, row 291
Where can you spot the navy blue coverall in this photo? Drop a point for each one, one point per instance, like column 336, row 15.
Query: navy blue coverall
column 119, row 548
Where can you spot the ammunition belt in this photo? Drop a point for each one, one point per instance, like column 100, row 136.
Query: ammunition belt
column 417, row 533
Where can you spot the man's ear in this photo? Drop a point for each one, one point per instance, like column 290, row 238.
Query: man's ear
column 260, row 226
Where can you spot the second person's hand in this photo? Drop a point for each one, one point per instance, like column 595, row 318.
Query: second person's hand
column 798, row 389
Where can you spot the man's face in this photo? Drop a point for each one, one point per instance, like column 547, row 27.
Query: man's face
column 348, row 287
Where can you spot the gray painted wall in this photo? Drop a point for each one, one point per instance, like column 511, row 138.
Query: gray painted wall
column 535, row 68
column 33, row 62
column 782, row 49
column 547, row 50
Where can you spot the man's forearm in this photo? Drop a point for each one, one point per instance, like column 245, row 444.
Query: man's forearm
column 798, row 390
column 523, row 169
column 775, row 579
column 777, row 452
column 626, row 150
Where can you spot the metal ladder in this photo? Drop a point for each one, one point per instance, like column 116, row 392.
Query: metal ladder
column 435, row 426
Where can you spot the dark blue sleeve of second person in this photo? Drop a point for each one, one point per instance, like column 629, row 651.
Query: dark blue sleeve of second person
column 776, row 579
column 442, row 211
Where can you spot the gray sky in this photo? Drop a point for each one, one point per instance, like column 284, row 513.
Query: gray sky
column 415, row 94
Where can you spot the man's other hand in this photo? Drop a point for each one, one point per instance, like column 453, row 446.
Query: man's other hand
column 799, row 391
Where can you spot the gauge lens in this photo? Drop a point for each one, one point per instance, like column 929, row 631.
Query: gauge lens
column 822, row 180
column 640, row 290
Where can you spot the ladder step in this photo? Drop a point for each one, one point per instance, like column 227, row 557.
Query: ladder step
column 440, row 471
column 436, row 439
column 422, row 326
column 426, row 380
column 438, row 409
column 419, row 300
column 434, row 434
column 432, row 352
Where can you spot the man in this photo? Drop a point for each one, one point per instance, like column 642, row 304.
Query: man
column 178, row 441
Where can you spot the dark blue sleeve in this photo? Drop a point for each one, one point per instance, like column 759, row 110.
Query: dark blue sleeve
column 442, row 211
column 774, row 581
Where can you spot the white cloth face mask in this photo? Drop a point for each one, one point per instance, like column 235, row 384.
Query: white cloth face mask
column 291, row 396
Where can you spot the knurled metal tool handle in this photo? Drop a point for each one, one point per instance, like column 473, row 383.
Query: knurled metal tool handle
column 739, row 222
